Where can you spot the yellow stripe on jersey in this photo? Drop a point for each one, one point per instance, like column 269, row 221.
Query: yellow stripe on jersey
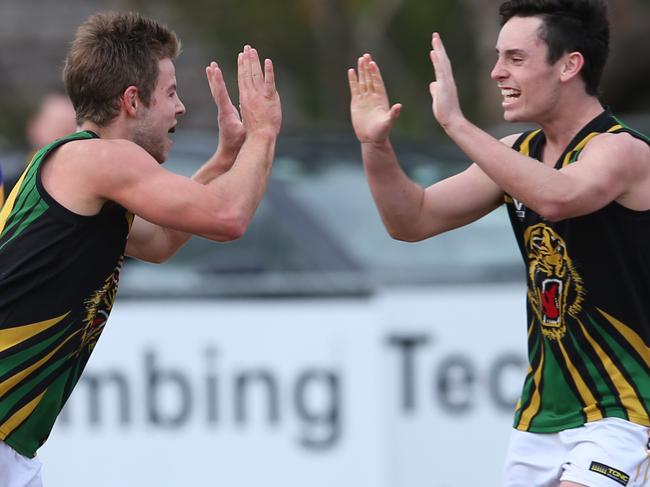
column 529, row 413
column 626, row 393
column 524, row 148
column 583, row 142
column 11, row 201
column 18, row 378
column 530, row 369
column 129, row 219
column 10, row 337
column 19, row 416
column 591, row 410
column 630, row 336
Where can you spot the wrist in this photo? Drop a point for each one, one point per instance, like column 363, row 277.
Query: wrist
column 262, row 134
column 375, row 144
column 226, row 153
column 455, row 124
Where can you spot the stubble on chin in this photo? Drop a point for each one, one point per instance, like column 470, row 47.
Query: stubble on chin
column 155, row 149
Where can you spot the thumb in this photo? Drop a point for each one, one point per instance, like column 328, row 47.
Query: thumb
column 395, row 111
column 433, row 87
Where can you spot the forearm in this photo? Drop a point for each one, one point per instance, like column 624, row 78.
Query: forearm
column 241, row 188
column 161, row 243
column 219, row 163
column 165, row 242
column 397, row 197
column 538, row 185
column 154, row 243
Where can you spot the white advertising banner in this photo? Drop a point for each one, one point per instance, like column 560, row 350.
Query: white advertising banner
column 407, row 389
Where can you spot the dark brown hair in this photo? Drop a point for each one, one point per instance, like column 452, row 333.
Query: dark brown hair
column 569, row 26
column 111, row 52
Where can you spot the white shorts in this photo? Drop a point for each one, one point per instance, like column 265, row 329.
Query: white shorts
column 610, row 452
column 17, row 470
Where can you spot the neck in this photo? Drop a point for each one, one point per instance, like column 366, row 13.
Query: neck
column 561, row 127
column 113, row 130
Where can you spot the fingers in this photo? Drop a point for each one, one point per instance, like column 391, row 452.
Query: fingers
column 254, row 66
column 248, row 67
column 367, row 78
column 242, row 81
column 249, row 71
column 377, row 82
column 209, row 73
column 217, row 85
column 436, row 43
column 439, row 58
column 367, row 81
column 353, row 82
column 269, row 78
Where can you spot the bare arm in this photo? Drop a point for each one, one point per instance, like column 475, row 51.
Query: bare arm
column 409, row 212
column 121, row 171
column 219, row 210
column 222, row 209
column 154, row 243
column 611, row 167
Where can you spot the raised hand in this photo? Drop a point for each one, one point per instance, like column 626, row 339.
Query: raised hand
column 372, row 116
column 443, row 90
column 258, row 98
column 232, row 132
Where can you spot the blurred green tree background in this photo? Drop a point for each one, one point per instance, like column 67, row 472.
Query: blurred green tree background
column 312, row 44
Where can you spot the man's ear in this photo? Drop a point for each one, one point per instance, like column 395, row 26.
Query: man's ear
column 131, row 101
column 572, row 64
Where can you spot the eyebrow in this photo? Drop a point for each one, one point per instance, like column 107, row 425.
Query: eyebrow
column 512, row 52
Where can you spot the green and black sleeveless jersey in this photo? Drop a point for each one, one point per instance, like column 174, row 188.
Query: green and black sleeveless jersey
column 588, row 305
column 58, row 278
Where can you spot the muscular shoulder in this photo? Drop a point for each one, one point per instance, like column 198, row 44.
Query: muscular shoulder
column 101, row 162
column 624, row 160
column 99, row 151
column 82, row 175
column 621, row 142
column 622, row 148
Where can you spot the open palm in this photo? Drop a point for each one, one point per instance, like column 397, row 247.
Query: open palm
column 372, row 115
column 232, row 132
column 444, row 94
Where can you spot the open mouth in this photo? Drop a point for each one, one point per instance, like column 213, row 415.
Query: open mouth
column 172, row 130
column 510, row 94
column 550, row 299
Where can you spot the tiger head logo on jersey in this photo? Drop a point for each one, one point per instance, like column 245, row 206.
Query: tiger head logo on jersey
column 98, row 307
column 555, row 289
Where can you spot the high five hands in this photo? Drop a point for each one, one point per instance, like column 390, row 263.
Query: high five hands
column 232, row 132
column 259, row 102
column 444, row 94
column 373, row 116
